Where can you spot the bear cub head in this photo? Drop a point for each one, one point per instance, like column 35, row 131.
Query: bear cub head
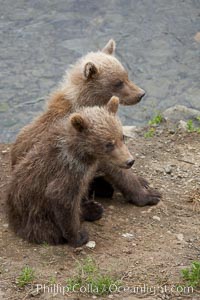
column 97, row 133
column 98, row 76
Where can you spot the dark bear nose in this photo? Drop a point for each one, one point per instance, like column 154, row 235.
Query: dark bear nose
column 141, row 95
column 130, row 162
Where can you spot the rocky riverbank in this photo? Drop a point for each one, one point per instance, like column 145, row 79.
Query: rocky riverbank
column 157, row 42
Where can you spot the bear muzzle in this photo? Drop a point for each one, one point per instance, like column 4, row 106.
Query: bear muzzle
column 141, row 95
column 129, row 163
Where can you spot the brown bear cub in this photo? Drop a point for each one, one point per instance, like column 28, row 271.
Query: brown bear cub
column 93, row 80
column 48, row 185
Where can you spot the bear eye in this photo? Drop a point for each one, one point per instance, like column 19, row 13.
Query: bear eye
column 124, row 138
column 110, row 146
column 119, row 84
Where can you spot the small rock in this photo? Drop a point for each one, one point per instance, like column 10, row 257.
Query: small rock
column 159, row 170
column 190, row 240
column 180, row 237
column 128, row 235
column 91, row 244
column 78, row 250
column 111, row 207
column 180, row 112
column 5, row 225
column 34, row 292
column 182, row 125
column 172, row 131
column 156, row 218
column 127, row 251
column 168, row 169
column 4, row 151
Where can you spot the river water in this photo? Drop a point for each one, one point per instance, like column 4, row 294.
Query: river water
column 157, row 41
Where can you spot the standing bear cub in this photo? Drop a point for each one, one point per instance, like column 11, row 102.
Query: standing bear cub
column 93, row 80
column 48, row 184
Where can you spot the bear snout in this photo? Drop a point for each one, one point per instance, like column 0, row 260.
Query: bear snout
column 141, row 95
column 127, row 164
column 130, row 162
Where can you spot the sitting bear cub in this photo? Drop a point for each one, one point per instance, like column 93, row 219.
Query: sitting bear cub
column 44, row 197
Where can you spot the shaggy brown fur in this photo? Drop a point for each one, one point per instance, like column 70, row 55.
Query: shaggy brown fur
column 91, row 81
column 48, row 184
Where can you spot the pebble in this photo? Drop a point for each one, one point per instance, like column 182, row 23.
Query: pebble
column 128, row 235
column 156, row 218
column 191, row 240
column 111, row 207
column 127, row 251
column 180, row 112
column 172, row 131
column 78, row 250
column 182, row 125
column 168, row 169
column 34, row 293
column 5, row 225
column 4, row 151
column 91, row 244
column 180, row 237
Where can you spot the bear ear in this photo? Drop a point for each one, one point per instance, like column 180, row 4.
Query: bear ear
column 113, row 104
column 109, row 47
column 78, row 122
column 90, row 70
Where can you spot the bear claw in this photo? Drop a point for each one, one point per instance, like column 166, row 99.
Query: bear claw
column 143, row 182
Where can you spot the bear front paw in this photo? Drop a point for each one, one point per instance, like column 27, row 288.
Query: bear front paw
column 81, row 239
column 91, row 211
column 147, row 197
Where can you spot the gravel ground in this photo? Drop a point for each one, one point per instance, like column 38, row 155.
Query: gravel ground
column 161, row 240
